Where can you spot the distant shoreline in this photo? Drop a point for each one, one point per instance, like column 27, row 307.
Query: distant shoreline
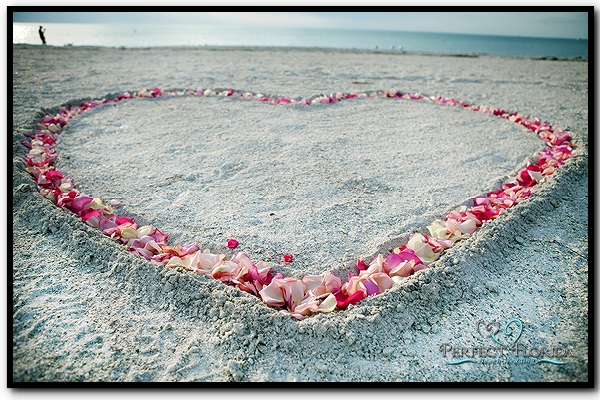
column 307, row 49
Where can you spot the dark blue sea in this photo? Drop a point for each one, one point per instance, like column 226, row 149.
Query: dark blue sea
column 159, row 35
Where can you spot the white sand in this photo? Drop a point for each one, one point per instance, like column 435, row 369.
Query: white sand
column 342, row 180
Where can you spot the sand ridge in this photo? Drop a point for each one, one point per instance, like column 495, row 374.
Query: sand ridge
column 84, row 309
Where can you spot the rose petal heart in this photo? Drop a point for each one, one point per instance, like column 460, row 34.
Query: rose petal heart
column 315, row 293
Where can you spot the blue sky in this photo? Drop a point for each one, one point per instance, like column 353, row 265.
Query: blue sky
column 539, row 24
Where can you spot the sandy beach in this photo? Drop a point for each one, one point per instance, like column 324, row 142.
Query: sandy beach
column 327, row 183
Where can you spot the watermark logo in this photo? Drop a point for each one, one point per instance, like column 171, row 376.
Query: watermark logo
column 490, row 329
column 504, row 347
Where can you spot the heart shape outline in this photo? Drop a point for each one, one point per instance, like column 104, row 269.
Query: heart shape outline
column 508, row 332
column 490, row 328
column 323, row 296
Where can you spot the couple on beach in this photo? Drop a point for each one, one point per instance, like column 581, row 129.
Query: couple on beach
column 41, row 32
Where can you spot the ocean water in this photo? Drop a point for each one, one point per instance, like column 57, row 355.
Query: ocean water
column 158, row 35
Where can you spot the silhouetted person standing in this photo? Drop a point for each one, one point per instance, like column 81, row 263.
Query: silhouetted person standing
column 41, row 32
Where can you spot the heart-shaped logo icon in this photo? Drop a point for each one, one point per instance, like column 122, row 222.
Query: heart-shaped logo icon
column 297, row 297
column 487, row 329
column 509, row 333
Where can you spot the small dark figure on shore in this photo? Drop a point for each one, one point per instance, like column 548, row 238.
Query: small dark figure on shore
column 41, row 32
